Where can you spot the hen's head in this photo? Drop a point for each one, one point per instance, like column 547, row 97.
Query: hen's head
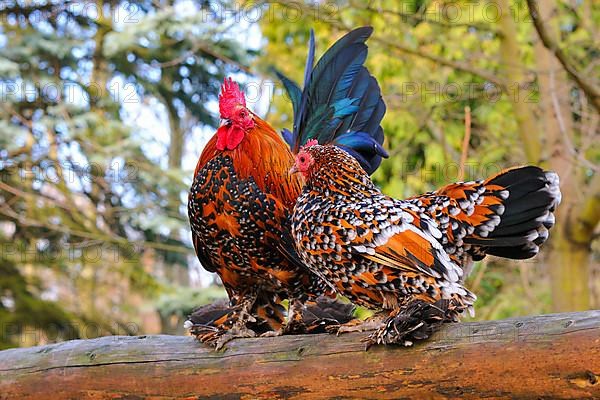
column 238, row 119
column 304, row 161
column 319, row 163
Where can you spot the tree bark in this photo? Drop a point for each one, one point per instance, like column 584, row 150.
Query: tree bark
column 549, row 356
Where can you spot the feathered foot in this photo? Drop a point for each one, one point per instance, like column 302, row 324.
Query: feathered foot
column 295, row 323
column 233, row 333
column 216, row 324
column 316, row 316
column 357, row 325
column 232, row 328
column 210, row 322
column 417, row 320
column 206, row 320
column 229, row 331
column 325, row 314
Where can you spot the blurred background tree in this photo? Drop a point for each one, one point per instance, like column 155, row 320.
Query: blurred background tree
column 106, row 105
column 92, row 194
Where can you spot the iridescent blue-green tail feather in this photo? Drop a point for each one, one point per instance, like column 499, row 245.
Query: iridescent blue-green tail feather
column 340, row 103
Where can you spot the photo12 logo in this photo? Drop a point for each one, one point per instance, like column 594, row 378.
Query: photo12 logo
column 466, row 12
column 436, row 92
column 270, row 11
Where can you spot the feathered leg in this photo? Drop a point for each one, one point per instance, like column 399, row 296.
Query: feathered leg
column 295, row 323
column 325, row 313
column 207, row 319
column 315, row 316
column 356, row 325
column 415, row 320
column 239, row 328
column 211, row 321
column 217, row 325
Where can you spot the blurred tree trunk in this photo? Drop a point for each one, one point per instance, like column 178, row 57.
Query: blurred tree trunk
column 570, row 256
column 175, row 273
column 100, row 73
column 177, row 138
column 177, row 133
column 513, row 71
column 98, row 81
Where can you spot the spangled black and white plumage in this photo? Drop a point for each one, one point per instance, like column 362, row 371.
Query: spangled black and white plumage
column 400, row 256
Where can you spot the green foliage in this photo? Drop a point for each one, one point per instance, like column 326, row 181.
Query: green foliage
column 21, row 309
column 85, row 195
column 184, row 300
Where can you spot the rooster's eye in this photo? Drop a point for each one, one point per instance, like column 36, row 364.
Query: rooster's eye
column 302, row 159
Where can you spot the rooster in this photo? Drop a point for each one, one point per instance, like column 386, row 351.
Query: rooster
column 242, row 196
column 408, row 258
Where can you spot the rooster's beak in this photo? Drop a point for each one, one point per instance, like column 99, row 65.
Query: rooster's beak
column 224, row 121
column 293, row 170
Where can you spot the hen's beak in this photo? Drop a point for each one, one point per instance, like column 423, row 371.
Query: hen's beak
column 293, row 170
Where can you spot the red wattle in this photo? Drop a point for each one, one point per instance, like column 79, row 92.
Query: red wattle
column 222, row 138
column 229, row 137
column 234, row 137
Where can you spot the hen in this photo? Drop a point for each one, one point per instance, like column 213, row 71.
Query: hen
column 408, row 258
column 242, row 196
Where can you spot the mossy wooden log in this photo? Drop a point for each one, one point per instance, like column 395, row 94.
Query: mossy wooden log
column 548, row 356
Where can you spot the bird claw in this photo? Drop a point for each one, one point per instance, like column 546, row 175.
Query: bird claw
column 369, row 341
column 291, row 328
column 202, row 331
column 294, row 327
column 322, row 325
column 274, row 333
column 356, row 325
column 349, row 329
column 230, row 335
column 219, row 337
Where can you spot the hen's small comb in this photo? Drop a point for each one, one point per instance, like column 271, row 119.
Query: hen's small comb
column 230, row 96
column 310, row 143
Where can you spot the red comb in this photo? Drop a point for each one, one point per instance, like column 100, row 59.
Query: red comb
column 310, row 143
column 230, row 97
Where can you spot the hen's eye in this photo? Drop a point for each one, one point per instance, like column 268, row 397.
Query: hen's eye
column 302, row 159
